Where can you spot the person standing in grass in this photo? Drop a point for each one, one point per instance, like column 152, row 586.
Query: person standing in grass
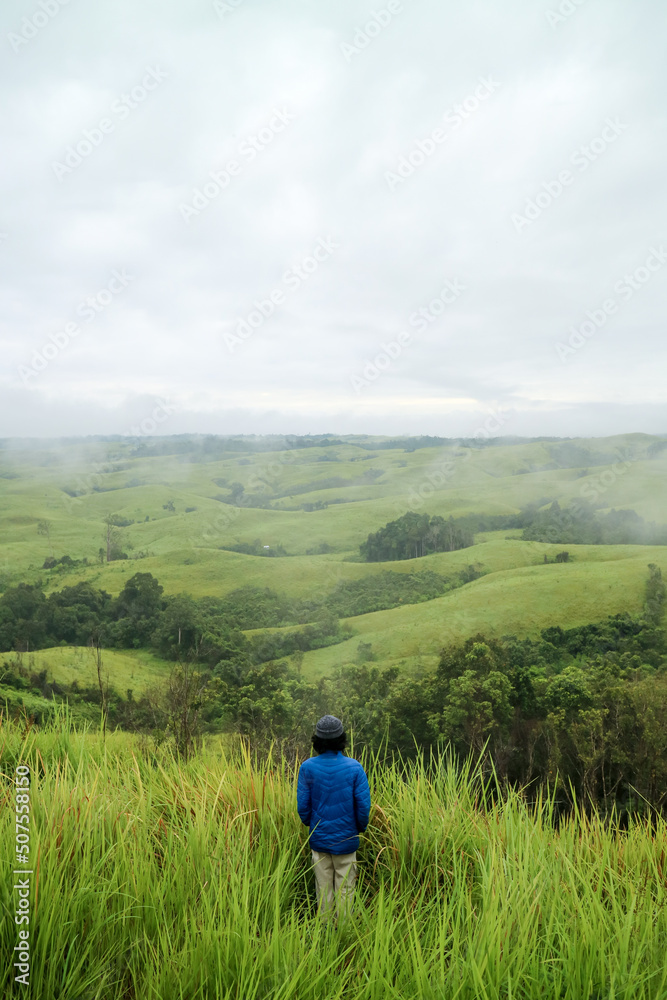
column 334, row 801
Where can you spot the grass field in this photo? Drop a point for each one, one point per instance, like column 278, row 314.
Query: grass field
column 509, row 599
column 518, row 601
column 135, row 669
column 167, row 880
column 517, row 594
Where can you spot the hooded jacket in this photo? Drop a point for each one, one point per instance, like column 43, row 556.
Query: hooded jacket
column 334, row 800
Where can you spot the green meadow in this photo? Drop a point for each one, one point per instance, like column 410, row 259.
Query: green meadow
column 162, row 879
column 137, row 670
column 318, row 504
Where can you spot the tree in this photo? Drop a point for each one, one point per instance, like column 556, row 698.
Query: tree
column 23, row 618
column 96, row 648
column 655, row 594
column 569, row 691
column 473, row 698
column 188, row 691
column 236, row 494
column 114, row 538
column 136, row 610
column 180, row 627
column 141, row 597
column 478, row 705
column 266, row 701
column 297, row 660
column 44, row 528
column 364, row 652
column 76, row 613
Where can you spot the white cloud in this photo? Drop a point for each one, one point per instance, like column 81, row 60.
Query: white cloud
column 325, row 173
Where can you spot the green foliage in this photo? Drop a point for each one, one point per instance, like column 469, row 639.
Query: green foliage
column 63, row 564
column 134, row 611
column 326, row 631
column 575, row 700
column 580, row 525
column 589, row 702
column 265, row 701
column 23, row 617
column 414, row 535
column 75, row 613
column 181, row 625
column 364, row 652
column 655, row 594
column 474, row 523
column 569, row 691
column 386, row 590
column 478, row 486
column 141, row 597
column 477, row 706
column 118, row 521
column 253, row 607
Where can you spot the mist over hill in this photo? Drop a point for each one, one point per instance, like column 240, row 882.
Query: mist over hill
column 202, row 513
column 191, row 505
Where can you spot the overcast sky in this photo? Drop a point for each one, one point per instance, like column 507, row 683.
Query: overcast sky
column 452, row 216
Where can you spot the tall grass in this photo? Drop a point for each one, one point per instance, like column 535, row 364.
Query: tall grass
column 179, row 881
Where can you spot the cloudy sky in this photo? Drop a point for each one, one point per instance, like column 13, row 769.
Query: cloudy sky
column 285, row 216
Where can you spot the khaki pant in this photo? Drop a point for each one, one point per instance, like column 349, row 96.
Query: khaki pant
column 335, row 876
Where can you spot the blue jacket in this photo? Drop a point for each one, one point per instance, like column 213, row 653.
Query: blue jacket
column 334, row 800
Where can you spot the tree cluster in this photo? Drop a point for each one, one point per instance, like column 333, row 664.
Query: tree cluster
column 580, row 524
column 414, row 535
column 176, row 627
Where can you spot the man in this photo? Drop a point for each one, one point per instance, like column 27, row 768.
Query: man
column 334, row 800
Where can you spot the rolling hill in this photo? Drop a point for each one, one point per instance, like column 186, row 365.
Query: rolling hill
column 182, row 503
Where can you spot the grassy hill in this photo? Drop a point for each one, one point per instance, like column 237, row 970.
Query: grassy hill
column 190, row 499
column 134, row 669
column 517, row 601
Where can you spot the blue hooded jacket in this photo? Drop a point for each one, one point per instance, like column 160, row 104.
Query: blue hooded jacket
column 334, row 800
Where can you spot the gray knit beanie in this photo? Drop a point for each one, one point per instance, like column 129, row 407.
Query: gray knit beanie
column 329, row 727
